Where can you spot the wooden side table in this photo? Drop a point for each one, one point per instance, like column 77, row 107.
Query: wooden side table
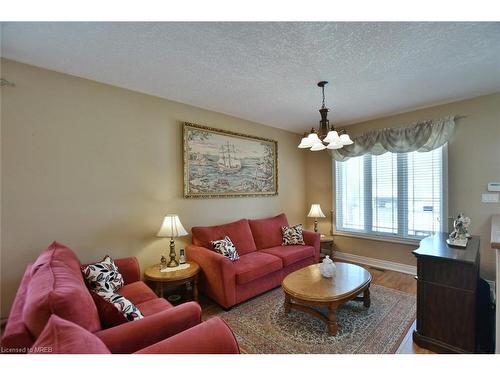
column 161, row 280
column 326, row 243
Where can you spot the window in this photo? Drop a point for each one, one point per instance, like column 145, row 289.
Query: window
column 392, row 195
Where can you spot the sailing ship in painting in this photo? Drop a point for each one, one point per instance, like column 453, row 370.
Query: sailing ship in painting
column 228, row 161
column 219, row 164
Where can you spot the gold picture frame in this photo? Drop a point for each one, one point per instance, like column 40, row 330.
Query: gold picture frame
column 224, row 164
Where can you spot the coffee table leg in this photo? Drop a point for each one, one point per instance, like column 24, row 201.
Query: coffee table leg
column 366, row 298
column 287, row 303
column 332, row 320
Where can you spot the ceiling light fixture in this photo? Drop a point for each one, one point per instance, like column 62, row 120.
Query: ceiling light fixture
column 315, row 141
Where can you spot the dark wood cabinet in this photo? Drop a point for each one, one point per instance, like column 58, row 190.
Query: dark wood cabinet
column 447, row 280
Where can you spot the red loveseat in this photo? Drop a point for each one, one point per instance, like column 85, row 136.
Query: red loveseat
column 53, row 284
column 263, row 262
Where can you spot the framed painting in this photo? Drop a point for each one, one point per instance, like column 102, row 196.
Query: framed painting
column 219, row 163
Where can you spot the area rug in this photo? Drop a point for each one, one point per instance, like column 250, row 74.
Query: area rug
column 261, row 325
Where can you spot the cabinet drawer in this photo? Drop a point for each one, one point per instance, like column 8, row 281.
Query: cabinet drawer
column 454, row 274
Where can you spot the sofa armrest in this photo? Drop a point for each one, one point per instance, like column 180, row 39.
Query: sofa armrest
column 210, row 337
column 129, row 268
column 218, row 272
column 133, row 336
column 313, row 239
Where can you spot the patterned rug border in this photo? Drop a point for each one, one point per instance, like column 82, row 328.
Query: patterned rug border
column 246, row 341
column 399, row 342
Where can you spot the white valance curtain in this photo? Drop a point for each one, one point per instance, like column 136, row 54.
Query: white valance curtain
column 421, row 136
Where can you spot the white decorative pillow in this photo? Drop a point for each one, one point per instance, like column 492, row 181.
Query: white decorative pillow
column 292, row 235
column 127, row 308
column 226, row 247
column 104, row 276
column 105, row 279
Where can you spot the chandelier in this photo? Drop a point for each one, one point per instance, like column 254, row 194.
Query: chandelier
column 315, row 141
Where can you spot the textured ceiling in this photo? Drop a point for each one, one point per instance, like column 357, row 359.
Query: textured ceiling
column 267, row 72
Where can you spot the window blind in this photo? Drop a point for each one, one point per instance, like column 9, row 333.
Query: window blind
column 395, row 195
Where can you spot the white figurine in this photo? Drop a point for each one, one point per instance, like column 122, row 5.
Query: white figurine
column 460, row 226
column 327, row 267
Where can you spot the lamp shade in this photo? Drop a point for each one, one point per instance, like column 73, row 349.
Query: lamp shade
column 332, row 136
column 305, row 142
column 335, row 145
column 318, row 146
column 315, row 211
column 171, row 227
column 346, row 140
column 313, row 138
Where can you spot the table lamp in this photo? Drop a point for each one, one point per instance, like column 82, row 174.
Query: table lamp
column 172, row 227
column 315, row 212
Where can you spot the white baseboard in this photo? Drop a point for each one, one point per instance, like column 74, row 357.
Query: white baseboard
column 377, row 263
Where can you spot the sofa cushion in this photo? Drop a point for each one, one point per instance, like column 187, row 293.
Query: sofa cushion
column 56, row 252
column 267, row 232
column 58, row 288
column 254, row 265
column 239, row 232
column 63, row 337
column 154, row 306
column 291, row 254
column 16, row 335
column 137, row 292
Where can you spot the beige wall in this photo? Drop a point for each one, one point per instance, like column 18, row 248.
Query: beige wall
column 319, row 188
column 96, row 167
column 473, row 161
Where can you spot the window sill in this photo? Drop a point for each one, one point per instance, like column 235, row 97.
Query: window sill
column 378, row 238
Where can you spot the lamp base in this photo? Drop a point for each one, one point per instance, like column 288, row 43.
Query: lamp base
column 316, row 225
column 172, row 262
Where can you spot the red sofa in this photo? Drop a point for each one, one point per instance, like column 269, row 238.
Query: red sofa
column 53, row 284
column 263, row 262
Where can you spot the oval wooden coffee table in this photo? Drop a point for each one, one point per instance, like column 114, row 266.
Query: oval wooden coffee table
column 306, row 288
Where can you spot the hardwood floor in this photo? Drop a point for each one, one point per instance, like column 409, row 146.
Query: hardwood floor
column 389, row 279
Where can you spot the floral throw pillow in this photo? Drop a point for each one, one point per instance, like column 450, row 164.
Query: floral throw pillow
column 104, row 279
column 292, row 235
column 122, row 304
column 104, row 276
column 226, row 247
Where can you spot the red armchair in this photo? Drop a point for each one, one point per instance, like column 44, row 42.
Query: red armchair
column 263, row 262
column 54, row 285
column 61, row 336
